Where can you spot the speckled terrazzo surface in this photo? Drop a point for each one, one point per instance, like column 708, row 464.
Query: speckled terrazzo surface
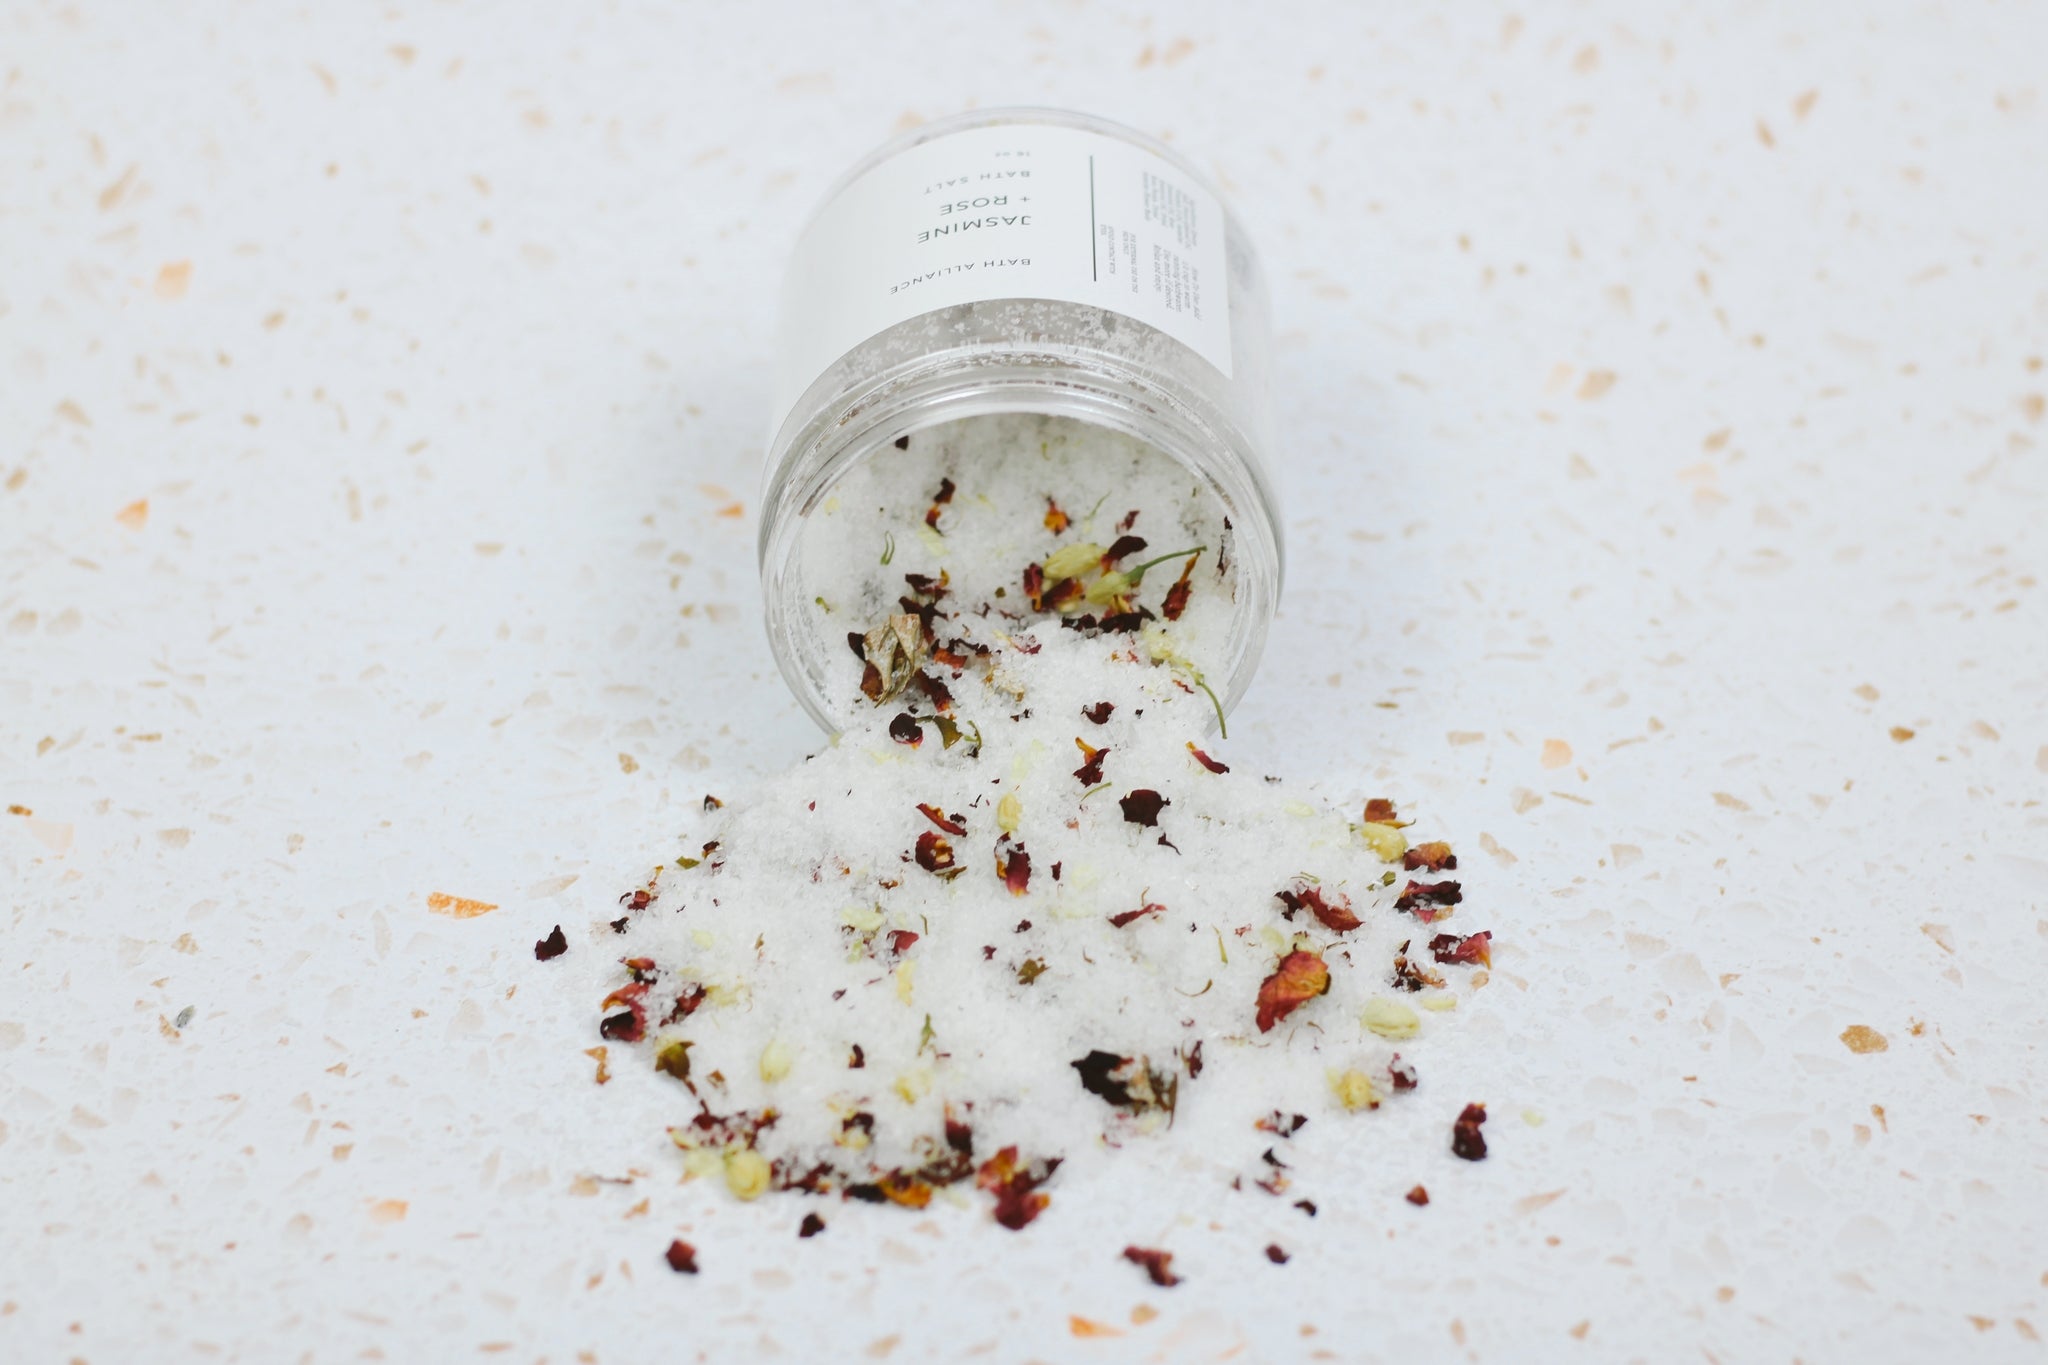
column 379, row 407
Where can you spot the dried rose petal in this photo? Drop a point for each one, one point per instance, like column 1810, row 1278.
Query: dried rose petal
column 1401, row 1073
column 551, row 947
column 1034, row 586
column 1211, row 764
column 1300, row 978
column 1142, row 806
column 949, row 823
column 1276, row 1254
column 811, row 1226
column 1158, row 1264
column 1470, row 948
column 1099, row 713
column 1013, row 865
column 936, row 692
column 674, row 1060
column 1418, row 1196
column 1429, row 901
column 939, row 500
column 1380, row 811
column 1431, row 857
column 934, row 854
column 682, row 1257
column 1015, row 1187
column 1090, row 771
column 900, row 940
column 1338, row 918
column 1123, row 545
column 1056, row 521
column 1465, row 1137
column 1149, row 908
column 905, row 730
column 686, row 1004
column 1177, row 595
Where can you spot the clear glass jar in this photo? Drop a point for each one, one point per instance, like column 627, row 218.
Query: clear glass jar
column 1013, row 354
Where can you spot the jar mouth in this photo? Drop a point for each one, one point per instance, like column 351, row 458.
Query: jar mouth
column 951, row 386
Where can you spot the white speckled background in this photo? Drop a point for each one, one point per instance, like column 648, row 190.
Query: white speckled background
column 1664, row 410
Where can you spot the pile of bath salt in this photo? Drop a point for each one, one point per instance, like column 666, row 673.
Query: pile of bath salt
column 1026, row 908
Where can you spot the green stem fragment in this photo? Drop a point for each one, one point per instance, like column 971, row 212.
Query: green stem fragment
column 1137, row 575
column 888, row 546
column 1221, row 727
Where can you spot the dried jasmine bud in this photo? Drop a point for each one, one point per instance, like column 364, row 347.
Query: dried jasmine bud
column 894, row 651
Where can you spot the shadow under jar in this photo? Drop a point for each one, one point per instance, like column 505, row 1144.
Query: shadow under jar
column 1001, row 334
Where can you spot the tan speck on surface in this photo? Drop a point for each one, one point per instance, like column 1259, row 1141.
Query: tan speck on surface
column 387, row 1211
column 135, row 515
column 1556, row 753
column 1596, row 383
column 1901, row 733
column 457, row 907
column 173, row 280
column 1863, row 1038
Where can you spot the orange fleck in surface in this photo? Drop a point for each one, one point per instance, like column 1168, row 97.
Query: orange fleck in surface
column 173, row 280
column 456, row 907
column 1556, row 753
column 1083, row 1327
column 135, row 515
column 1863, row 1038
column 387, row 1211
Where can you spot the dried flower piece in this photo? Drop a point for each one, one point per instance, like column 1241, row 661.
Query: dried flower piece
column 936, row 692
column 1389, row 1018
column 1300, row 978
column 939, row 500
column 682, row 1257
column 1118, row 921
column 1142, row 806
column 905, row 730
column 1177, row 595
column 1418, row 1196
column 1013, row 865
column 951, row 824
column 1282, row 1125
column 1128, row 1083
column 1015, row 1186
column 1380, row 811
column 1157, row 1264
column 1276, row 1254
column 1211, row 764
column 1401, row 1073
column 1412, row 976
column 687, row 1001
column 1469, row 948
column 1465, row 1137
column 673, row 1059
column 901, row 940
column 1338, row 918
column 1099, row 713
column 894, row 651
column 1056, row 521
column 1090, row 771
column 811, row 1226
column 551, row 947
column 1429, row 901
column 1030, row 970
column 1354, row 1091
column 934, row 854
column 1435, row 856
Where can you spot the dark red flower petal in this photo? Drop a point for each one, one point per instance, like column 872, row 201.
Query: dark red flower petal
column 1425, row 900
column 1276, row 1254
column 1123, row 545
column 1142, row 806
column 1018, row 1199
column 1099, row 713
column 900, row 940
column 682, row 1257
column 934, row 854
column 1470, row 948
column 1090, row 771
column 1380, row 811
column 1338, row 918
column 949, row 823
column 1418, row 1196
column 551, row 947
column 905, row 730
column 1013, row 865
column 1466, row 1140
column 1158, row 1264
column 1177, row 595
column 1211, row 764
column 1149, row 908
column 811, row 1226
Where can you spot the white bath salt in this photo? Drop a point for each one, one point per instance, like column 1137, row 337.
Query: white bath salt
column 886, row 968
column 982, row 499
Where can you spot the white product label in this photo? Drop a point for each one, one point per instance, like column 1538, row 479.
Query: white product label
column 1012, row 211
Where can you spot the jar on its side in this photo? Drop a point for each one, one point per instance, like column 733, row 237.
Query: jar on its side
column 1018, row 261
